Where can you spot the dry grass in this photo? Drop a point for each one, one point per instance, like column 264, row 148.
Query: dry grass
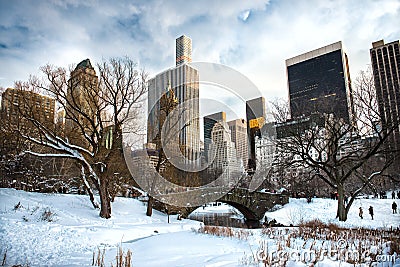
column 224, row 231
column 122, row 259
column 316, row 224
column 98, row 258
column 318, row 237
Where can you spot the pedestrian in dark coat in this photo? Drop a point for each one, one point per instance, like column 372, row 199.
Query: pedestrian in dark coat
column 394, row 207
column 360, row 213
column 371, row 212
column 393, row 195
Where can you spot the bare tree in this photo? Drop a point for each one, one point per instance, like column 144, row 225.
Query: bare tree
column 95, row 111
column 170, row 167
column 280, row 111
column 337, row 151
column 168, row 128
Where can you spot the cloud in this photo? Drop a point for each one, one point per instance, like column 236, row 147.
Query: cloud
column 254, row 37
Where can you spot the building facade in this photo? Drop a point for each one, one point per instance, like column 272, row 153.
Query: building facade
column 238, row 129
column 255, row 115
column 319, row 81
column 385, row 59
column 16, row 107
column 15, row 104
column 208, row 123
column 222, row 151
column 184, row 81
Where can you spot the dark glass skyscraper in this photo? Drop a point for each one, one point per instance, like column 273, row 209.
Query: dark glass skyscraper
column 385, row 60
column 255, row 115
column 319, row 81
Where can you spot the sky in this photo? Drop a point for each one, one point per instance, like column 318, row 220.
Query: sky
column 252, row 37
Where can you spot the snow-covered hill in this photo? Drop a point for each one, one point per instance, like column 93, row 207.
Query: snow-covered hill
column 64, row 230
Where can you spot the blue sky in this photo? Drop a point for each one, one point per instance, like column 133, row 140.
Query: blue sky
column 253, row 37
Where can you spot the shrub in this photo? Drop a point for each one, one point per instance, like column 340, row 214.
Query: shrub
column 318, row 224
column 224, row 231
column 47, row 216
column 314, row 224
column 18, row 206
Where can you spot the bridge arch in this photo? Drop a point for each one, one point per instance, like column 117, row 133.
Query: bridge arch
column 248, row 214
column 252, row 205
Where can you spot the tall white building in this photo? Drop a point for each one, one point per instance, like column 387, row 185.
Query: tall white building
column 208, row 123
column 265, row 151
column 238, row 130
column 222, row 151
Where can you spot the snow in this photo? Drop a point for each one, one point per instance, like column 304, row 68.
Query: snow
column 325, row 210
column 75, row 231
column 219, row 208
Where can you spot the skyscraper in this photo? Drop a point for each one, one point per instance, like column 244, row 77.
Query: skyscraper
column 319, row 81
column 223, row 152
column 183, row 49
column 385, row 60
column 209, row 122
column 255, row 114
column 82, row 99
column 238, row 130
column 184, row 81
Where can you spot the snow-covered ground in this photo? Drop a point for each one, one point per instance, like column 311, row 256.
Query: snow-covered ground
column 325, row 210
column 75, row 231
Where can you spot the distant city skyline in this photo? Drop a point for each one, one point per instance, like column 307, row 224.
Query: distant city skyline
column 253, row 37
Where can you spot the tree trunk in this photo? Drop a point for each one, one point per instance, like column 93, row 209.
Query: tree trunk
column 105, row 201
column 150, row 201
column 341, row 210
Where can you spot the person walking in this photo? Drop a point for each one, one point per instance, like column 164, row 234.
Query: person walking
column 394, row 207
column 393, row 195
column 371, row 212
column 360, row 213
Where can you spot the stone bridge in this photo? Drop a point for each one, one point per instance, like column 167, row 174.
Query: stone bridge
column 252, row 205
